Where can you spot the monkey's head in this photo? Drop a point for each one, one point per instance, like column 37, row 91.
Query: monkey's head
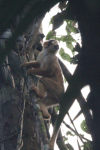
column 51, row 46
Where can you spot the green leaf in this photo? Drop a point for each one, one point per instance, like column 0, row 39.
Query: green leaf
column 74, row 29
column 68, row 21
column 69, row 133
column 64, row 80
column 63, row 38
column 70, row 39
column 67, row 39
column 51, row 35
column 68, row 31
column 51, row 21
column 69, row 45
column 65, row 138
column 57, row 108
column 64, row 55
column 58, row 39
column 84, row 127
column 71, row 27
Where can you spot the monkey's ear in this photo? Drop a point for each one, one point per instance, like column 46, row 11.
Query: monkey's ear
column 45, row 44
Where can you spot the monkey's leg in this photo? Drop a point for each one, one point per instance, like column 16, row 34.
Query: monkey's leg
column 53, row 89
column 50, row 101
column 44, row 110
column 44, row 105
column 34, row 64
column 39, row 90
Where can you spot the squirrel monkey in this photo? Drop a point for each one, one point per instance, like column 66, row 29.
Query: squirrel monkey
column 50, row 86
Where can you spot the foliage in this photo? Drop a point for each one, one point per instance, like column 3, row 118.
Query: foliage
column 66, row 39
column 71, row 26
column 84, row 127
column 84, row 74
column 51, row 21
column 70, row 133
column 88, row 145
column 6, row 18
column 74, row 60
column 51, row 35
column 57, row 108
column 64, row 55
column 57, row 21
column 77, row 48
column 69, row 45
column 65, row 138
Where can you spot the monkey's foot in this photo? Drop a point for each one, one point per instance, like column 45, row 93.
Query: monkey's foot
column 44, row 109
column 35, row 89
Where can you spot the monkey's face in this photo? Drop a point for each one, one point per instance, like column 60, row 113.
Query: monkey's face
column 51, row 46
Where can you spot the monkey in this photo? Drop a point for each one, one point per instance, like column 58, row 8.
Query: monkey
column 50, row 86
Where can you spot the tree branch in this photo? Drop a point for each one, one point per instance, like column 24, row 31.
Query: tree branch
column 80, row 98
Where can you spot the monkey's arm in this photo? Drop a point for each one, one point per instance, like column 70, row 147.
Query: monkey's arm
column 41, row 72
column 34, row 64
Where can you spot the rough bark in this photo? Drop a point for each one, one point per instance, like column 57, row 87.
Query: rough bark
column 11, row 113
column 13, row 93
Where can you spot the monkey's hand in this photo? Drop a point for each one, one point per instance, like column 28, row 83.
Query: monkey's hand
column 24, row 64
column 34, row 64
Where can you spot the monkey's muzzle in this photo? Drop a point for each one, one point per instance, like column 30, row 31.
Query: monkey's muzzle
column 56, row 47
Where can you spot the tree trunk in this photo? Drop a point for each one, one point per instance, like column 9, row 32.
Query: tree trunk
column 14, row 94
column 89, row 63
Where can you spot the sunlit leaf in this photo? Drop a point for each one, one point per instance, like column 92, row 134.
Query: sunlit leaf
column 68, row 30
column 58, row 39
column 69, row 45
column 74, row 29
column 65, row 138
column 64, row 55
column 70, row 133
column 67, row 39
column 51, row 21
column 51, row 35
column 70, row 26
column 84, row 127
column 68, row 21
column 64, row 80
column 57, row 109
